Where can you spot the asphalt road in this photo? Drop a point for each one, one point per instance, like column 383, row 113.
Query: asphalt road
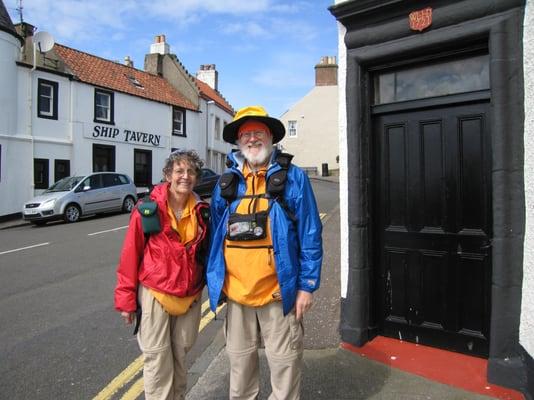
column 60, row 337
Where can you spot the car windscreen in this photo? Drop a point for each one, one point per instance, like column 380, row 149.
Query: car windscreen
column 65, row 184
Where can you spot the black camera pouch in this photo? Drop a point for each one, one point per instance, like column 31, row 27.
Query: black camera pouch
column 244, row 227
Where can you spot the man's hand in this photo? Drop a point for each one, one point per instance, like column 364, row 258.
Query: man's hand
column 303, row 303
column 128, row 317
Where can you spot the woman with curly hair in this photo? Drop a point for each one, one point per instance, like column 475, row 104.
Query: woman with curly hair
column 160, row 276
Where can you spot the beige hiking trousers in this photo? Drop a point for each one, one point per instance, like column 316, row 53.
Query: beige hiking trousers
column 283, row 338
column 165, row 340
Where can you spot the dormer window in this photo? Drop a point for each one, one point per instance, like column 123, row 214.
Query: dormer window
column 104, row 106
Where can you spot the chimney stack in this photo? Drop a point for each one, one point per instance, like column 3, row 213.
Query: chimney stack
column 128, row 61
column 159, row 46
column 326, row 72
column 209, row 75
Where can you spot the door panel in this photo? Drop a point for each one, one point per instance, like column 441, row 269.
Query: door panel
column 434, row 226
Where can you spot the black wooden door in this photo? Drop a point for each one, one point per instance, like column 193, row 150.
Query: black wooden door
column 433, row 226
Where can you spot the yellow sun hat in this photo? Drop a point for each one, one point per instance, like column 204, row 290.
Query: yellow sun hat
column 255, row 113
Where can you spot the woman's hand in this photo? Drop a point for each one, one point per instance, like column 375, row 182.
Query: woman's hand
column 128, row 317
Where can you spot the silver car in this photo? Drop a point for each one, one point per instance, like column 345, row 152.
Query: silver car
column 74, row 196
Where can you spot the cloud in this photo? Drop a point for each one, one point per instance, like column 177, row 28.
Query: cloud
column 252, row 29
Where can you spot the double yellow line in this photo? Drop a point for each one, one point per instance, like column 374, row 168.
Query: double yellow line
column 132, row 370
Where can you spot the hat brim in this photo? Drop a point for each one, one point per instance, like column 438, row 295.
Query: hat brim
column 275, row 126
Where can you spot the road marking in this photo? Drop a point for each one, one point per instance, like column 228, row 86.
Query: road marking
column 109, row 230
column 120, row 380
column 133, row 369
column 25, row 248
column 322, row 215
column 138, row 387
column 135, row 391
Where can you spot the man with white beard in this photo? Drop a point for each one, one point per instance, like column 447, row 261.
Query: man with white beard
column 265, row 257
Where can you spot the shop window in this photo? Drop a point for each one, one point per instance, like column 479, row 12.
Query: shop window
column 61, row 169
column 47, row 98
column 178, row 122
column 104, row 106
column 292, row 128
column 142, row 167
column 431, row 80
column 103, row 158
column 40, row 173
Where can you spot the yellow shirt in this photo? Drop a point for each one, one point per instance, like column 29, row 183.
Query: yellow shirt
column 187, row 228
column 250, row 273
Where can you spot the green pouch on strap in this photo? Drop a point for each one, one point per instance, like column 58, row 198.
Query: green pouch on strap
column 150, row 217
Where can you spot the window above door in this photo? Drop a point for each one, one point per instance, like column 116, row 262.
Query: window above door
column 461, row 75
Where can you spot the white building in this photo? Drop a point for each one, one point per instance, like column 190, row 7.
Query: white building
column 70, row 112
column 436, row 178
column 312, row 122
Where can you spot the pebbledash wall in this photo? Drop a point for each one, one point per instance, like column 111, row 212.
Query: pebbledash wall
column 512, row 338
column 526, row 333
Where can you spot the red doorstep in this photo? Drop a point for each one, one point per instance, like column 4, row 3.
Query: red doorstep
column 454, row 369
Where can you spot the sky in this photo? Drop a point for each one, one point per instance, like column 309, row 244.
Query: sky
column 264, row 50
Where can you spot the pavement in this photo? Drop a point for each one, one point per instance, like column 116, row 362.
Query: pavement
column 330, row 372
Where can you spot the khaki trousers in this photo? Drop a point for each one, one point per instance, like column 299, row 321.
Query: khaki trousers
column 283, row 338
column 164, row 340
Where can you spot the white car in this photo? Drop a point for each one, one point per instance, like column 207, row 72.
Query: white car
column 74, row 196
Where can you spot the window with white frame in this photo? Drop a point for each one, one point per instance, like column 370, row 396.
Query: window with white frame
column 103, row 106
column 178, row 121
column 47, row 93
column 217, row 128
column 292, row 128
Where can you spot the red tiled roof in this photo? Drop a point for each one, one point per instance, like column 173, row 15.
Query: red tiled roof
column 207, row 91
column 108, row 74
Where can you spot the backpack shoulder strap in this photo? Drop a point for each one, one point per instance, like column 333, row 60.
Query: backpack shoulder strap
column 149, row 216
column 228, row 184
column 277, row 181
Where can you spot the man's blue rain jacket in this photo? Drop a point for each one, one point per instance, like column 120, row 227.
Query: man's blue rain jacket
column 297, row 241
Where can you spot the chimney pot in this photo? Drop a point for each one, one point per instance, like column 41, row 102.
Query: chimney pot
column 326, row 71
column 208, row 74
column 159, row 46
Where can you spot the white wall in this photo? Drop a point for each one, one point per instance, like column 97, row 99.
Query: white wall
column 215, row 155
column 526, row 331
column 13, row 171
column 130, row 113
column 317, row 129
column 343, row 151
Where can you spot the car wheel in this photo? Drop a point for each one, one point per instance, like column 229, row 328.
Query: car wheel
column 72, row 213
column 128, row 204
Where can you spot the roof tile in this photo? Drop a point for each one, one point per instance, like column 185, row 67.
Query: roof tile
column 111, row 75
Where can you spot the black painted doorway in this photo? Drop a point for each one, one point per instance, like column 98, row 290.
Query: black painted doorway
column 432, row 224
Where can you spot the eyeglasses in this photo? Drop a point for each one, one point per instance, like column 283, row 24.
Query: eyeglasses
column 248, row 135
column 182, row 172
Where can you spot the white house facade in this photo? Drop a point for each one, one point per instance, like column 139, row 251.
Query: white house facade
column 311, row 123
column 436, row 176
column 72, row 113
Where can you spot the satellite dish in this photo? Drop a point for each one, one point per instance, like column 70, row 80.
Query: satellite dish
column 43, row 41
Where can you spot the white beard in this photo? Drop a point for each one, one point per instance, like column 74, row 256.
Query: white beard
column 261, row 157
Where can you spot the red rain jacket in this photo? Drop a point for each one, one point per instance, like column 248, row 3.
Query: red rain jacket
column 164, row 263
